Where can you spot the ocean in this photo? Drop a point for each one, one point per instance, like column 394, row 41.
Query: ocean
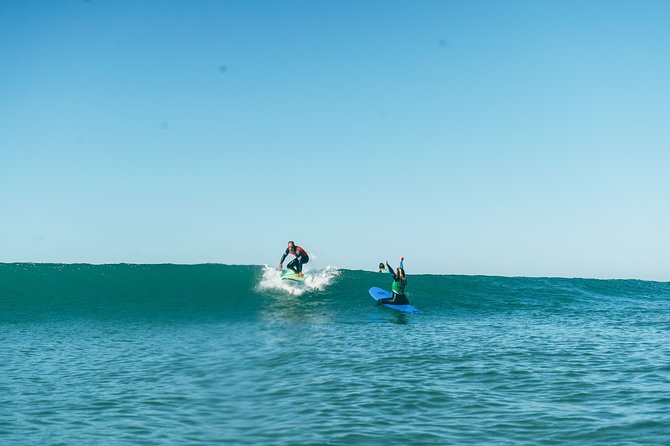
column 217, row 354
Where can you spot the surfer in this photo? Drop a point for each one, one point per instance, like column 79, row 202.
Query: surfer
column 301, row 258
column 398, row 287
column 382, row 268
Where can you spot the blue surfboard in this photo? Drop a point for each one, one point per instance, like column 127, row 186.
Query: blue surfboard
column 380, row 293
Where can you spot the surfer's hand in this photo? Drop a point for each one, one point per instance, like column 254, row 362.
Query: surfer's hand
column 279, row 267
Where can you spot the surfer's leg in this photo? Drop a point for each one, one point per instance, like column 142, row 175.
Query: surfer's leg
column 292, row 265
column 398, row 299
column 301, row 262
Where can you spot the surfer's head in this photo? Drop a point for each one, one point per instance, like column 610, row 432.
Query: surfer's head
column 400, row 273
column 291, row 244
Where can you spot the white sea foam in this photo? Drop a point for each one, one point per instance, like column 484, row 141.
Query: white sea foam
column 315, row 280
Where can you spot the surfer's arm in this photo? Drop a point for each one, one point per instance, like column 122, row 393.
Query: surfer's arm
column 283, row 257
column 390, row 270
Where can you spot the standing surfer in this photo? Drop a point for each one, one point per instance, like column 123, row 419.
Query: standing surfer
column 301, row 258
column 398, row 287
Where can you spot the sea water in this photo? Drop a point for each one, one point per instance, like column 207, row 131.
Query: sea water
column 216, row 354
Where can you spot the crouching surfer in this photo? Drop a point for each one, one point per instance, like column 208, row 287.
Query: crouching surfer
column 301, row 258
column 398, row 287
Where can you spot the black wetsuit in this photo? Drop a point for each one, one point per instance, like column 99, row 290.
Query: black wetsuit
column 301, row 258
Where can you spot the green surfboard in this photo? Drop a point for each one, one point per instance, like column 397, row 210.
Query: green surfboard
column 291, row 275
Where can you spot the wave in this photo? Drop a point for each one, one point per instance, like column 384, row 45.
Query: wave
column 315, row 280
column 216, row 292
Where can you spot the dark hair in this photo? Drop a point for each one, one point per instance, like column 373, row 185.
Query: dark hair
column 291, row 241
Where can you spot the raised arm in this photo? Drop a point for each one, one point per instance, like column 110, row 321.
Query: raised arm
column 391, row 270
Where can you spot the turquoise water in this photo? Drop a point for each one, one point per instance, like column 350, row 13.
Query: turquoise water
column 167, row 354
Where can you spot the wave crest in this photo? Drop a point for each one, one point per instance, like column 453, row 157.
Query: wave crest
column 315, row 280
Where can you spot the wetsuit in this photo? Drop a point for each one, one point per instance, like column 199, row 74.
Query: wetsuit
column 301, row 258
column 398, row 289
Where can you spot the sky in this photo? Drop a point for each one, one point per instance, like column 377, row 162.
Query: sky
column 515, row 138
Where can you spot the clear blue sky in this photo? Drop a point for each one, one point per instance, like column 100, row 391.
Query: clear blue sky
column 480, row 137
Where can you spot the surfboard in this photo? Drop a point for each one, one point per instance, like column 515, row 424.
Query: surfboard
column 290, row 275
column 380, row 293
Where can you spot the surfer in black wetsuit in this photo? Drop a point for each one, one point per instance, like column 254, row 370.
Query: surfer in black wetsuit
column 301, row 258
column 398, row 287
